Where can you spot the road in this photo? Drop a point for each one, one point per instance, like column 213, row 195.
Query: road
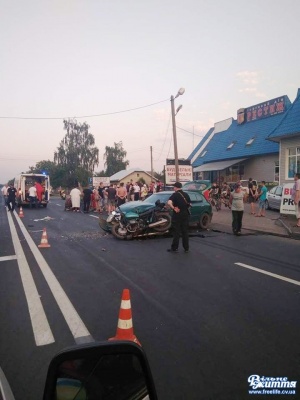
column 207, row 320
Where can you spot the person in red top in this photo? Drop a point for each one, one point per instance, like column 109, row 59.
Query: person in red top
column 39, row 191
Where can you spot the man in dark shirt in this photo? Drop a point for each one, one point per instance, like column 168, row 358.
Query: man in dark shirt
column 11, row 197
column 180, row 204
column 111, row 198
column 101, row 196
column 87, row 194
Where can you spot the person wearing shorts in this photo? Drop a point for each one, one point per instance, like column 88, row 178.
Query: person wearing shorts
column 262, row 197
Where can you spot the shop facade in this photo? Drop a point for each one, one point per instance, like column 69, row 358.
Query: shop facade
column 243, row 148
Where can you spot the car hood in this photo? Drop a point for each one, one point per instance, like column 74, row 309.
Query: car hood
column 135, row 206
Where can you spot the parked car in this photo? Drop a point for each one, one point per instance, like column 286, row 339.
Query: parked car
column 201, row 210
column 200, row 186
column 274, row 197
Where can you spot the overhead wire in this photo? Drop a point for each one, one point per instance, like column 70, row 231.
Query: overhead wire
column 87, row 116
column 168, row 126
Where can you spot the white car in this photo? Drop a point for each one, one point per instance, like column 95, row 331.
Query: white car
column 274, row 197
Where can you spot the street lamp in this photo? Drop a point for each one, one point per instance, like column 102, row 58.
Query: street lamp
column 180, row 92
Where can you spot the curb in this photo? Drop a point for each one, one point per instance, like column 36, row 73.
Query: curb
column 293, row 235
column 225, row 228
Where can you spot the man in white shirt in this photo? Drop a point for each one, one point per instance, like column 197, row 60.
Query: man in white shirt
column 32, row 196
column 137, row 190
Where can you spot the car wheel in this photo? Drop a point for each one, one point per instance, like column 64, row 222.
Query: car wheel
column 204, row 221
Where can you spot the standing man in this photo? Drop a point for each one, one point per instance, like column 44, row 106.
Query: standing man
column 32, row 196
column 236, row 200
column 296, row 197
column 75, row 198
column 111, row 198
column 11, row 197
column 121, row 194
column 101, row 188
column 39, row 192
column 262, row 197
column 136, row 192
column 252, row 196
column 180, row 203
column 87, row 196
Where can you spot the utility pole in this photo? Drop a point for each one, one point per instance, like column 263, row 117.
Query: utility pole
column 174, row 139
column 151, row 162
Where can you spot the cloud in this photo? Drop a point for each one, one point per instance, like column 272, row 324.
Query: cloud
column 248, row 77
column 249, row 81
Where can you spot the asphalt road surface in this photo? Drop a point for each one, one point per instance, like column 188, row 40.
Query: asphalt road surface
column 207, row 319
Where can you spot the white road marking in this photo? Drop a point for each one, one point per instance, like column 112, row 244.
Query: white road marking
column 59, row 205
column 7, row 258
column 41, row 329
column 261, row 271
column 75, row 323
column 94, row 216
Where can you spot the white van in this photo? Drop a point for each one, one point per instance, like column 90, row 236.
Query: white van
column 24, row 181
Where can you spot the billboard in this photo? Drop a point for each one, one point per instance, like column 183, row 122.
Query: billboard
column 265, row 109
column 287, row 204
column 98, row 179
column 185, row 173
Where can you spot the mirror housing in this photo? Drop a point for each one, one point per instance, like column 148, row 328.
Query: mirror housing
column 106, row 370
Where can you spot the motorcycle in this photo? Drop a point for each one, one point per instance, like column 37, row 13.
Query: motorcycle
column 62, row 194
column 136, row 224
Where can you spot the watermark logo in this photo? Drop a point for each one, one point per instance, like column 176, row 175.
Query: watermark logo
column 271, row 385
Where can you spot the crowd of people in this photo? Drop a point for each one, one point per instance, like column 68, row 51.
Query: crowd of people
column 237, row 196
column 107, row 198
column 33, row 195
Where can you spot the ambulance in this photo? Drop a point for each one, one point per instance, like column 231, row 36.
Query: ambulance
column 24, row 181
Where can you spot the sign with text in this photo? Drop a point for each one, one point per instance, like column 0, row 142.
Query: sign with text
column 265, row 109
column 98, row 179
column 287, row 204
column 185, row 173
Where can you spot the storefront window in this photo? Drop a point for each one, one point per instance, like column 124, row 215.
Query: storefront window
column 234, row 173
column 293, row 161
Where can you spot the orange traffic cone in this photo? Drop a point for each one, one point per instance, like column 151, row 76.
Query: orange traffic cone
column 125, row 326
column 21, row 214
column 44, row 240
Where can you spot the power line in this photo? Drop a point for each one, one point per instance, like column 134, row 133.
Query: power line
column 188, row 131
column 88, row 116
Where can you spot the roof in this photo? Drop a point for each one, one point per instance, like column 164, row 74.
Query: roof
column 238, row 135
column 125, row 172
column 290, row 124
column 217, row 165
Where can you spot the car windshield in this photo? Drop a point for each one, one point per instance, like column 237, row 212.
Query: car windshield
column 162, row 196
column 195, row 186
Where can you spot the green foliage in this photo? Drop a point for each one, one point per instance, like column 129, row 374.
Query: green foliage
column 142, row 180
column 77, row 154
column 114, row 159
column 160, row 177
column 56, row 172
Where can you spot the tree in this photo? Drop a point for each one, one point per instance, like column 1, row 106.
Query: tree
column 114, row 159
column 57, row 173
column 77, row 152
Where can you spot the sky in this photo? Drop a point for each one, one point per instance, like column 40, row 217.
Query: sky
column 81, row 58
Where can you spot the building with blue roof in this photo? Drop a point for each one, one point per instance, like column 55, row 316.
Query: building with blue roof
column 242, row 148
column 287, row 135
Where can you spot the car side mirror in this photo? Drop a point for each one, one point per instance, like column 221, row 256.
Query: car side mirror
column 103, row 370
column 157, row 203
